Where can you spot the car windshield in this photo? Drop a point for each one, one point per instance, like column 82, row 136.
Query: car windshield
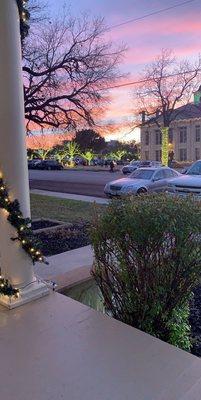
column 142, row 174
column 195, row 169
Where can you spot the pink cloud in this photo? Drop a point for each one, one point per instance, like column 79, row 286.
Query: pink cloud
column 184, row 24
column 146, row 38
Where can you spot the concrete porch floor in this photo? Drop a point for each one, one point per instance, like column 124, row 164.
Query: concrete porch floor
column 56, row 348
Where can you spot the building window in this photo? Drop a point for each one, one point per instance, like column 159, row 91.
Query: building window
column 197, row 153
column 183, row 134
column 183, row 154
column 146, row 153
column 147, row 138
column 170, row 135
column 158, row 155
column 158, row 137
column 197, row 133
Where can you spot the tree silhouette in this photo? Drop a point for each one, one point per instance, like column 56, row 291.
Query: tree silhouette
column 89, row 139
column 67, row 63
column 167, row 84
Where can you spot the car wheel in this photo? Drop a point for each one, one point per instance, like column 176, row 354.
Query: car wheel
column 49, row 168
column 141, row 191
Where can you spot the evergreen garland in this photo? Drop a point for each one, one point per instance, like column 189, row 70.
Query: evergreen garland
column 24, row 234
column 24, row 18
column 22, row 225
column 6, row 289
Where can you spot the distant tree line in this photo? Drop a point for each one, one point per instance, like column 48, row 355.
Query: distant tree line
column 88, row 145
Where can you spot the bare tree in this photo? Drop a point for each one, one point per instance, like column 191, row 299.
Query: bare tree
column 117, row 155
column 67, row 64
column 88, row 156
column 43, row 153
column 42, row 146
column 72, row 150
column 60, row 153
column 38, row 11
column 166, row 85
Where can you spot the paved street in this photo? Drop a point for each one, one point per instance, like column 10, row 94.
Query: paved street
column 87, row 183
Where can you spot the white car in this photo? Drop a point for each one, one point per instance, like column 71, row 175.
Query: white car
column 188, row 183
column 133, row 165
column 142, row 180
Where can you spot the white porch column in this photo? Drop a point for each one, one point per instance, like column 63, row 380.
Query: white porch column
column 14, row 262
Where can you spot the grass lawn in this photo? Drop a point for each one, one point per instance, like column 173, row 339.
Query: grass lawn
column 61, row 209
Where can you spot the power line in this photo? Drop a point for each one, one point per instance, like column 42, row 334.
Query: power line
column 148, row 80
column 136, row 20
column 150, row 14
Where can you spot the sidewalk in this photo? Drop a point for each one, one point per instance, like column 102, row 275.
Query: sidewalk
column 70, row 196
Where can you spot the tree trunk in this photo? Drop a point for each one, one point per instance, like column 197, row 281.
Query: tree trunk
column 164, row 158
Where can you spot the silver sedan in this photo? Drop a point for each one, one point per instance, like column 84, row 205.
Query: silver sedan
column 142, row 180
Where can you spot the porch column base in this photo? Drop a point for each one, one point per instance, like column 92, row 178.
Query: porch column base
column 31, row 292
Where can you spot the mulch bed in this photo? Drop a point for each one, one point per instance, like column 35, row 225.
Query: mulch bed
column 63, row 238
column 42, row 223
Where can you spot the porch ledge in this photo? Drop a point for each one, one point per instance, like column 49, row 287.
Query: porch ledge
column 56, row 348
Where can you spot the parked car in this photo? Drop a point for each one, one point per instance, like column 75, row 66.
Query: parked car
column 98, row 161
column 49, row 165
column 78, row 160
column 142, row 180
column 32, row 164
column 133, row 165
column 189, row 182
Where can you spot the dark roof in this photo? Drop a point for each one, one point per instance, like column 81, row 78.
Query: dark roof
column 188, row 111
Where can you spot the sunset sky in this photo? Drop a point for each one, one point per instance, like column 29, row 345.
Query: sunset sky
column 178, row 29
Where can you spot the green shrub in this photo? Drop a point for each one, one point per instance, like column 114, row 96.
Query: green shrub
column 147, row 261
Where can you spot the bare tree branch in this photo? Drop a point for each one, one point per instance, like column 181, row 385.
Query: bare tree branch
column 66, row 63
column 162, row 95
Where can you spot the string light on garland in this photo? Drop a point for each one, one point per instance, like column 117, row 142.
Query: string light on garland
column 24, row 235
column 6, row 289
column 22, row 225
column 24, row 17
column 165, row 149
